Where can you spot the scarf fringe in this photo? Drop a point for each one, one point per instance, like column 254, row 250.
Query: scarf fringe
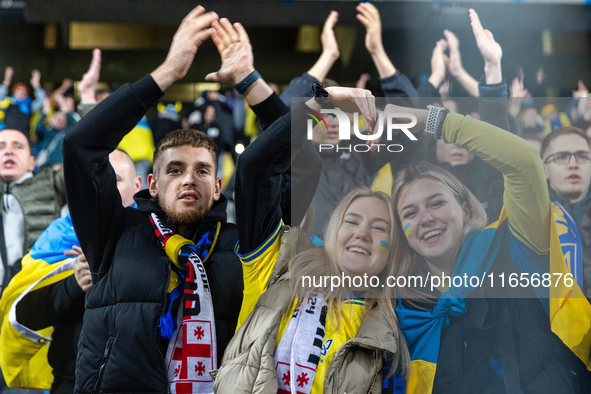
column 167, row 323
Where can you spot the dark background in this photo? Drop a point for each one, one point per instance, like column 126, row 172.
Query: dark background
column 411, row 29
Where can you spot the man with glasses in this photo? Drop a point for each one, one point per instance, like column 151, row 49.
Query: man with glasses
column 566, row 153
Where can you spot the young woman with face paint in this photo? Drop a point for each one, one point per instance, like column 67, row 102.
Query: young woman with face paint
column 314, row 336
column 471, row 337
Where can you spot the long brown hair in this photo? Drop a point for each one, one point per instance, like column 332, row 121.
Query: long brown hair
column 320, row 262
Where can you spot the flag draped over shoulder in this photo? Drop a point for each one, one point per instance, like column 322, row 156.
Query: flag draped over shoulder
column 570, row 241
column 569, row 311
column 23, row 352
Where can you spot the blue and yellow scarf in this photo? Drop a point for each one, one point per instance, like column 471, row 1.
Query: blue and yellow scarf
column 570, row 241
column 569, row 311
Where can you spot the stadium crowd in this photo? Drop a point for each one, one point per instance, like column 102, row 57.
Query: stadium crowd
column 152, row 255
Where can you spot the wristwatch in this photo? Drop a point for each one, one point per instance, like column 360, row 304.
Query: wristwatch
column 435, row 120
column 247, row 81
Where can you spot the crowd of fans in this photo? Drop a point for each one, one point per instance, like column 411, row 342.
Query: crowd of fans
column 36, row 124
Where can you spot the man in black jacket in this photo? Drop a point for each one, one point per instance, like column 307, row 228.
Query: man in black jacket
column 61, row 304
column 130, row 311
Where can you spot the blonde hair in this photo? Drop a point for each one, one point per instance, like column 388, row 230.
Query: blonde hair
column 321, row 262
column 409, row 262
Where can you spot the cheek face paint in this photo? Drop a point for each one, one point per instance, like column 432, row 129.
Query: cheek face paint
column 407, row 229
column 384, row 246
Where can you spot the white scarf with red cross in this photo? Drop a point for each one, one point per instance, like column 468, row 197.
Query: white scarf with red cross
column 298, row 352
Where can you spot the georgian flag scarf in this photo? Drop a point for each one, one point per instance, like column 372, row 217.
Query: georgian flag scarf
column 298, row 352
column 192, row 350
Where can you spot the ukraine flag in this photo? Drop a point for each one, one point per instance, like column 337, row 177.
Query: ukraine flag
column 23, row 352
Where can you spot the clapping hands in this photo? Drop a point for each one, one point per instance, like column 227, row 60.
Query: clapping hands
column 235, row 50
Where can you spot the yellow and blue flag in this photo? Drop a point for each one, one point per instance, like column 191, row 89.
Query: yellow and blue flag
column 23, row 352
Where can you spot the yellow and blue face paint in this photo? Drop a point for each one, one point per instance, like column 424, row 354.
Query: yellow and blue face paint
column 384, row 246
column 407, row 229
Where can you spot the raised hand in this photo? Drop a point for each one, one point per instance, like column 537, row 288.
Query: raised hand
column 330, row 49
column 82, row 271
column 46, row 105
column 517, row 95
column 355, row 100
column 36, row 79
column 370, row 17
column 517, row 89
column 454, row 63
column 327, row 38
column 8, row 74
column 438, row 62
column 192, row 32
column 235, row 50
column 455, row 66
column 444, row 89
column 362, row 81
column 490, row 50
column 362, row 101
column 91, row 77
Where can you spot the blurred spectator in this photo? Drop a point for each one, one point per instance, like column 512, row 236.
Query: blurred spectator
column 20, row 92
column 13, row 118
column 65, row 101
column 88, row 98
column 553, row 118
column 566, row 154
column 51, row 136
column 577, row 107
column 454, row 65
column 214, row 117
column 30, row 201
column 61, row 305
column 101, row 94
column 139, row 142
column 523, row 114
column 534, row 139
column 166, row 120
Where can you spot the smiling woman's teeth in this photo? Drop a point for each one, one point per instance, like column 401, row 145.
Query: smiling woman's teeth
column 432, row 234
column 359, row 250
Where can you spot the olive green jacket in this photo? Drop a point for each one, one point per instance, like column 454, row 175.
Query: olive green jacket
column 248, row 365
column 41, row 199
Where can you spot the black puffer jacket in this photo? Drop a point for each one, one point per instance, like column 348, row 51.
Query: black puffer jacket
column 120, row 348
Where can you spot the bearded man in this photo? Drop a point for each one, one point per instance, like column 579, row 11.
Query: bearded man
column 150, row 325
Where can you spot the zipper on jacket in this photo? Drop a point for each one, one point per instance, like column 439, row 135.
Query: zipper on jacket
column 101, row 371
column 156, row 334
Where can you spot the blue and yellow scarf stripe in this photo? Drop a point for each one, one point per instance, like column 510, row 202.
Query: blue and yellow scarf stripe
column 570, row 241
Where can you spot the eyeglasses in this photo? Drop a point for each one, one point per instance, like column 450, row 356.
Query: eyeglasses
column 581, row 157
